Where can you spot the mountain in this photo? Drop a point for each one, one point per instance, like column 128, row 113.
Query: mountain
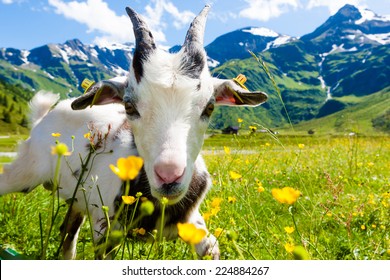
column 340, row 64
column 350, row 29
column 62, row 67
column 318, row 74
column 239, row 42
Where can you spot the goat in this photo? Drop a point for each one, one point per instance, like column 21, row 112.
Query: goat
column 160, row 111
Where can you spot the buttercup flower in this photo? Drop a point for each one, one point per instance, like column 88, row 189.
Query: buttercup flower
column 239, row 120
column 216, row 202
column 127, row 168
column 289, row 229
column 206, row 216
column 56, row 135
column 190, row 234
column 289, row 247
column 232, row 199
column 286, row 195
column 260, row 187
column 87, row 135
column 218, row 232
column 227, row 150
column 61, row 149
column 234, row 175
column 301, row 146
column 127, row 199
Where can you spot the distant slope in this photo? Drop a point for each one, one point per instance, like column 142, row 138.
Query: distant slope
column 13, row 108
column 369, row 115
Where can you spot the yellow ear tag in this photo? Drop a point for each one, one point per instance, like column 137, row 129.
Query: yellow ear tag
column 86, row 84
column 240, row 80
column 96, row 96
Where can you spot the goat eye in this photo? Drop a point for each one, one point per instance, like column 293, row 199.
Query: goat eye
column 131, row 111
column 208, row 110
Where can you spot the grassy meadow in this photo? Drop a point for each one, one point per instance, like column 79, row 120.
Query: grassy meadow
column 342, row 212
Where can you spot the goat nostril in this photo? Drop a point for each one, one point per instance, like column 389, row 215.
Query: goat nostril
column 168, row 176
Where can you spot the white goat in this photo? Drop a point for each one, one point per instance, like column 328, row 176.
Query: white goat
column 168, row 100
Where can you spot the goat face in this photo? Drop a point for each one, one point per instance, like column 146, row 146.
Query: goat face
column 168, row 99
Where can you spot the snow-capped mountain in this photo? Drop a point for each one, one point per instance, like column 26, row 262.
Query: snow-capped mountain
column 350, row 29
column 65, row 65
column 236, row 44
column 347, row 55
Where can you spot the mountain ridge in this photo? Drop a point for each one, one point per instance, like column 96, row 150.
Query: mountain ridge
column 347, row 55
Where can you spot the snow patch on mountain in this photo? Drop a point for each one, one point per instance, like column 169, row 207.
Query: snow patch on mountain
column 261, row 31
column 368, row 15
column 280, row 40
column 382, row 39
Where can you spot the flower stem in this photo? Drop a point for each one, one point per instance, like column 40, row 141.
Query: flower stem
column 50, row 220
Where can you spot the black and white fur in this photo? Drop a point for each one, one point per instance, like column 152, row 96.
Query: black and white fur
column 160, row 112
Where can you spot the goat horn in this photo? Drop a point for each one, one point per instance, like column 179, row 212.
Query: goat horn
column 144, row 42
column 195, row 33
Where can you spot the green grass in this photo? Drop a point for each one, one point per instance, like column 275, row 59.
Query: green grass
column 343, row 212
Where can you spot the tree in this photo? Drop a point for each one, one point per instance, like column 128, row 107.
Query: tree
column 7, row 117
column 24, row 121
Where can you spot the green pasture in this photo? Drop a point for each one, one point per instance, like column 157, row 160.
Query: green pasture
column 343, row 211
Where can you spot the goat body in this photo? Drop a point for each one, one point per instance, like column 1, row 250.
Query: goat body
column 168, row 100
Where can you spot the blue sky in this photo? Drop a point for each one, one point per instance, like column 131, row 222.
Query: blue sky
column 25, row 24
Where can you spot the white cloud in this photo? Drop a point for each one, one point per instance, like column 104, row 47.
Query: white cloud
column 333, row 5
column 155, row 17
column 8, row 2
column 264, row 10
column 98, row 17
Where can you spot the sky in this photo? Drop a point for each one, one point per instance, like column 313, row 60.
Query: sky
column 26, row 24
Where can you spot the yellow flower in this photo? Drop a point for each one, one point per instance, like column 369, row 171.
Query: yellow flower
column 301, row 146
column 190, row 234
column 56, row 135
column 370, row 164
column 286, row 195
column 127, row 199
column 61, row 149
column 260, row 187
column 267, row 144
column 252, row 127
column 206, row 216
column 289, row 229
column 218, row 232
column 234, row 175
column 87, row 135
column 232, row 199
column 227, row 150
column 289, row 247
column 363, row 227
column 215, row 211
column 127, row 168
column 141, row 231
column 239, row 120
column 216, row 202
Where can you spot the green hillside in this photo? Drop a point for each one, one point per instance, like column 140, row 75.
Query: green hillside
column 368, row 115
column 13, row 109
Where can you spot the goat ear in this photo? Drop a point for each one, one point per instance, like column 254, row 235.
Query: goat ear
column 103, row 92
column 228, row 92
